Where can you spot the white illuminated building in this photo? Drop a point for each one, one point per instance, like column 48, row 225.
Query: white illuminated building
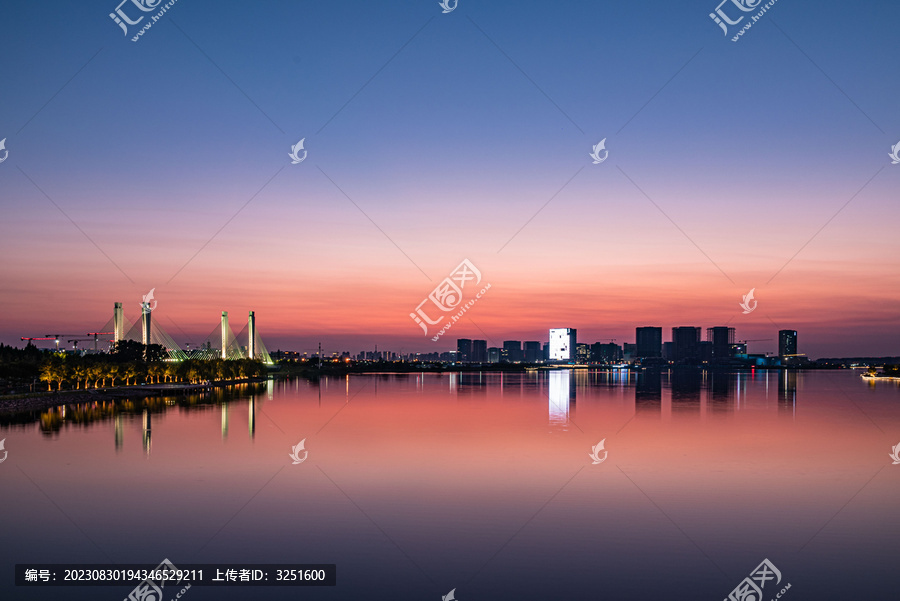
column 562, row 344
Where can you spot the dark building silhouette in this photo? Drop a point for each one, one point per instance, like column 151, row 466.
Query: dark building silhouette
column 513, row 350
column 479, row 351
column 705, row 352
column 463, row 350
column 533, row 352
column 606, row 353
column 546, row 351
column 722, row 340
column 493, row 354
column 667, row 351
column 649, row 342
column 686, row 344
column 787, row 342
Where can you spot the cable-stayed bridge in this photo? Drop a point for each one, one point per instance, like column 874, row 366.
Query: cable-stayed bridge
column 221, row 343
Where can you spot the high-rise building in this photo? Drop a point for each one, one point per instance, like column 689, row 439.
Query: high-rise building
column 582, row 353
column 546, row 350
column 606, row 353
column 668, row 351
column 562, row 344
column 649, row 342
column 722, row 339
column 787, row 342
column 493, row 354
column 513, row 350
column 463, row 350
column 705, row 351
column 686, row 344
column 479, row 351
column 533, row 353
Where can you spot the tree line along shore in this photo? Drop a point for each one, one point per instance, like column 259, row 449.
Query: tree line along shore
column 131, row 363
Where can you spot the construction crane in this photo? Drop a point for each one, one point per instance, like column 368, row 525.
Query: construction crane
column 36, row 338
column 74, row 342
column 97, row 334
column 75, row 338
column 744, row 342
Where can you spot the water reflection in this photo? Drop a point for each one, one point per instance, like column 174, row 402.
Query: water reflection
column 648, row 392
column 147, row 427
column 251, row 418
column 561, row 385
column 683, row 393
column 224, row 421
column 119, row 431
column 787, row 392
column 53, row 420
column 654, row 393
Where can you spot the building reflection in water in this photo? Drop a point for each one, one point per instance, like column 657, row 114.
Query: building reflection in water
column 561, row 387
column 147, row 428
column 648, row 392
column 721, row 391
column 686, row 385
column 665, row 393
column 787, row 392
column 470, row 384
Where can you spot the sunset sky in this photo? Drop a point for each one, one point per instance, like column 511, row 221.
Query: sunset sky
column 434, row 138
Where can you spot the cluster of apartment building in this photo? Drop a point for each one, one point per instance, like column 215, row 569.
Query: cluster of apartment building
column 686, row 346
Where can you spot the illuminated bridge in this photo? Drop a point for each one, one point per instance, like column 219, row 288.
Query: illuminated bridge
column 222, row 342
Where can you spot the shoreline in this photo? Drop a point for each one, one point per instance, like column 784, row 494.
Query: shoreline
column 39, row 401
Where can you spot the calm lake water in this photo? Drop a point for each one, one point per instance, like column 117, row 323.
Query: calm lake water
column 418, row 484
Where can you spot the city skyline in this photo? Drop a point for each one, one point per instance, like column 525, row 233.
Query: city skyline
column 768, row 346
column 721, row 174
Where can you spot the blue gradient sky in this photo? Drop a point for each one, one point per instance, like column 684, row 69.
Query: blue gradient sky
column 750, row 148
